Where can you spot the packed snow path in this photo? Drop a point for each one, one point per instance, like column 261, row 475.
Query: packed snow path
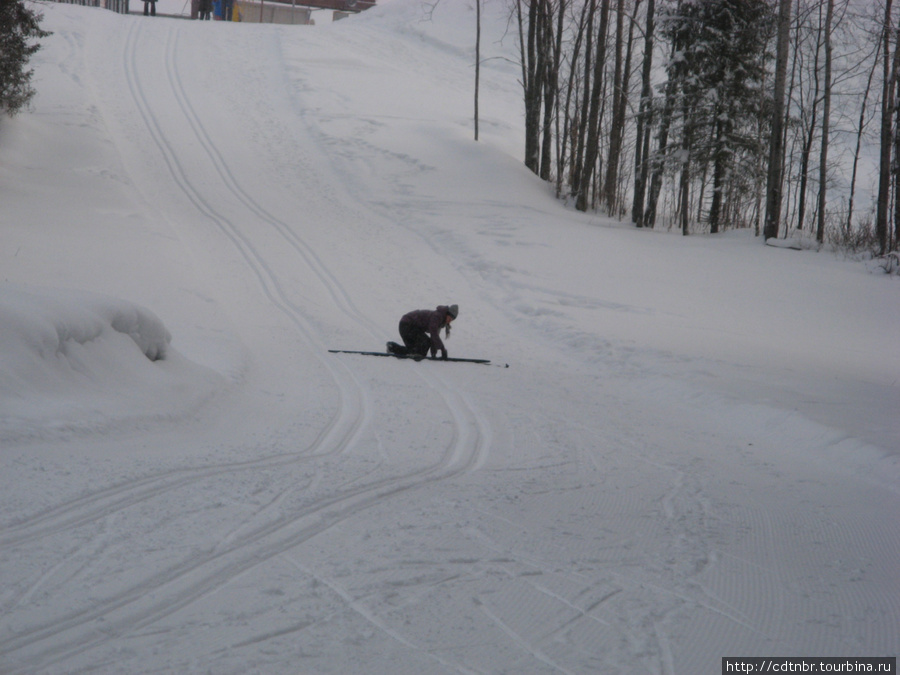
column 652, row 485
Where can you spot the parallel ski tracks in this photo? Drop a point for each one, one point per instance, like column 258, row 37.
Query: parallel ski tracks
column 172, row 589
column 180, row 585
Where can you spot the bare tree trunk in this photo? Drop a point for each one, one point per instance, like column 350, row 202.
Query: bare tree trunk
column 551, row 47
column 895, row 165
column 477, row 59
column 687, row 134
column 592, row 145
column 806, row 154
column 684, row 202
column 887, row 97
column 532, row 82
column 715, row 209
column 826, row 121
column 775, row 176
column 759, row 190
column 616, row 129
column 563, row 158
column 578, row 181
column 859, row 135
column 661, row 150
column 642, row 143
column 557, row 93
column 617, row 206
column 789, row 157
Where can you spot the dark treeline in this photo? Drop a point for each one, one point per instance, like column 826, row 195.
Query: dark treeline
column 705, row 115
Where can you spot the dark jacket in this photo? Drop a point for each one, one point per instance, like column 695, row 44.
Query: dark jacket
column 431, row 321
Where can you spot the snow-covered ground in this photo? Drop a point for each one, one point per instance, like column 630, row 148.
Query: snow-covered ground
column 694, row 452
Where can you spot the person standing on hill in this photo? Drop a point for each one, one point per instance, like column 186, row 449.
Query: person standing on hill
column 420, row 331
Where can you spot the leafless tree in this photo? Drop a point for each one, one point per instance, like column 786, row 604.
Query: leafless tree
column 889, row 76
column 775, row 174
column 826, row 123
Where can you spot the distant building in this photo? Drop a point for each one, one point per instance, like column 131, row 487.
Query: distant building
column 351, row 6
column 298, row 11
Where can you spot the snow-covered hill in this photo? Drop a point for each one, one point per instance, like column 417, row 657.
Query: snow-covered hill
column 694, row 453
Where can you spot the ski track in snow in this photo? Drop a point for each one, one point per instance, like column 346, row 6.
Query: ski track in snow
column 170, row 590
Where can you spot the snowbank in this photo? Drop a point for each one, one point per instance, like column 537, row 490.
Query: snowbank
column 51, row 323
column 73, row 360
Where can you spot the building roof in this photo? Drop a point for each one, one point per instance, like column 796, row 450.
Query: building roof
column 338, row 5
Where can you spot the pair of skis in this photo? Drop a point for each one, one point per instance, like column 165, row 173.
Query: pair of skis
column 415, row 357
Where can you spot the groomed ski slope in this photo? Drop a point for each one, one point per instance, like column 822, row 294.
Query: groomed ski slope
column 693, row 453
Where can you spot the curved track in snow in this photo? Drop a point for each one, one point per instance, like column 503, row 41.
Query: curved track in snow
column 150, row 599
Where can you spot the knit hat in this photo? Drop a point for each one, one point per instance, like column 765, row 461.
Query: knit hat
column 454, row 311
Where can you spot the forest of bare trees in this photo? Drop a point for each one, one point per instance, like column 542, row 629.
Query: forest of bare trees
column 706, row 115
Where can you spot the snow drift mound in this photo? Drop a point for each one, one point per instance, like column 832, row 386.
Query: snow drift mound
column 76, row 362
column 54, row 325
